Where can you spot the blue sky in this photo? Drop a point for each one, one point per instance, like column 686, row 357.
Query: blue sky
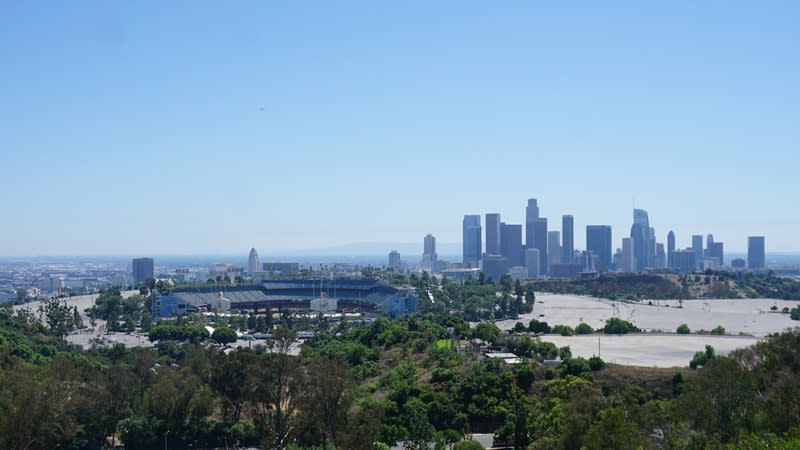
column 197, row 127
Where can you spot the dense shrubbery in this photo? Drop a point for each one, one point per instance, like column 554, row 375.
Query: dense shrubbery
column 616, row 287
column 711, row 284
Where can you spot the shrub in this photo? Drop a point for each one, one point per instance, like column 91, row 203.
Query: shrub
column 596, row 363
column 584, row 328
column 615, row 325
column 538, row 327
column 683, row 329
column 563, row 330
column 718, row 330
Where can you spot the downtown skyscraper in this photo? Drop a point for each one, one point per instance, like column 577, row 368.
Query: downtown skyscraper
column 536, row 233
column 471, row 240
column 598, row 242
column 756, row 253
column 567, row 239
column 492, row 234
column 641, row 235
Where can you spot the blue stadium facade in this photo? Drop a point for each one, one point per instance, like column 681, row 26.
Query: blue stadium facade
column 366, row 295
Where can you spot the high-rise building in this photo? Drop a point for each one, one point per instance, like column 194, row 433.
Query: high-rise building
column 471, row 240
column 142, row 269
column 540, row 242
column 429, row 256
column 640, row 233
column 511, row 244
column 553, row 248
column 756, row 253
column 660, row 260
column 394, row 260
column 567, row 239
column 492, row 234
column 670, row 248
column 532, row 262
column 495, row 266
column 598, row 242
column 685, row 260
column 717, row 251
column 531, row 215
column 253, row 265
column 628, row 255
column 697, row 246
column 709, row 244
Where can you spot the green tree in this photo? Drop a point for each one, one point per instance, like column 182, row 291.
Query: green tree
column 615, row 325
column 468, row 444
column 683, row 329
column 57, row 316
column 700, row 359
column 583, row 328
column 420, row 430
column 224, row 335
column 613, row 430
column 22, row 294
column 276, row 380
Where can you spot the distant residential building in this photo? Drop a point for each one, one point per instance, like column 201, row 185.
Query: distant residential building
column 142, row 269
column 461, row 275
column 225, row 272
column 511, row 244
column 283, row 269
column 429, row 256
column 253, row 265
column 567, row 239
column 756, row 253
column 628, row 255
column 394, row 261
column 518, row 272
column 598, row 242
column 532, row 262
column 685, row 260
column 471, row 240
column 553, row 248
column 495, row 266
column 492, row 234
column 697, row 246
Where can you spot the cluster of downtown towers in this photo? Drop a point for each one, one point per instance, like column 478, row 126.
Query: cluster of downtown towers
column 553, row 253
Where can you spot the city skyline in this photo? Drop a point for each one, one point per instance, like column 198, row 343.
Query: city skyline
column 126, row 131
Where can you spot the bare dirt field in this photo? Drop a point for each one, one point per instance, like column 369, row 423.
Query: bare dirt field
column 751, row 317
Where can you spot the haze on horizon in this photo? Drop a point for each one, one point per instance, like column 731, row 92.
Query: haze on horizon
column 180, row 128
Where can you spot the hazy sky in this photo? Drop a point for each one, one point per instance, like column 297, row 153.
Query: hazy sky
column 194, row 127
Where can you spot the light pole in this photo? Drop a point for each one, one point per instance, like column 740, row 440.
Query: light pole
column 165, row 439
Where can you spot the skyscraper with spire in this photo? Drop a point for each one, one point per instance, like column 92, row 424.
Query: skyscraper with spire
column 640, row 233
